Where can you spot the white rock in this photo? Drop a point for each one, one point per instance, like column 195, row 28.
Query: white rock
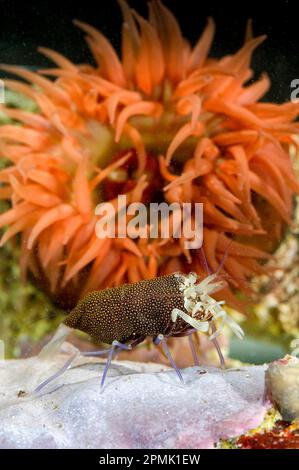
column 282, row 383
column 141, row 405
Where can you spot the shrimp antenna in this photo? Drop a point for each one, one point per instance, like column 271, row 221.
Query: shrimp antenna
column 204, row 262
column 224, row 257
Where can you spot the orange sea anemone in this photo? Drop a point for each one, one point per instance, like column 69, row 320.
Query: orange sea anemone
column 164, row 122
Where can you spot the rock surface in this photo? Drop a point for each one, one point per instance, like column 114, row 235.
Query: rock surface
column 282, row 383
column 141, row 405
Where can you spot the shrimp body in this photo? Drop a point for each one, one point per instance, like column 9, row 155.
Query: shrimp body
column 128, row 312
column 171, row 305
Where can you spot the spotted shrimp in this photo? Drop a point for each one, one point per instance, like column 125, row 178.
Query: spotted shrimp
column 124, row 316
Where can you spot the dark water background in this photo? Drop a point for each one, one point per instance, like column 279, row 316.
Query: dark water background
column 26, row 25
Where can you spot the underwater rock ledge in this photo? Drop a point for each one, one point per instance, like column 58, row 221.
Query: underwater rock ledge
column 141, row 406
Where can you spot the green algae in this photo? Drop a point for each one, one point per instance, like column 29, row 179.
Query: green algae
column 26, row 314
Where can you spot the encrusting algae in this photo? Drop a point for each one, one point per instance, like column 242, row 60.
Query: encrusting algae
column 163, row 122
